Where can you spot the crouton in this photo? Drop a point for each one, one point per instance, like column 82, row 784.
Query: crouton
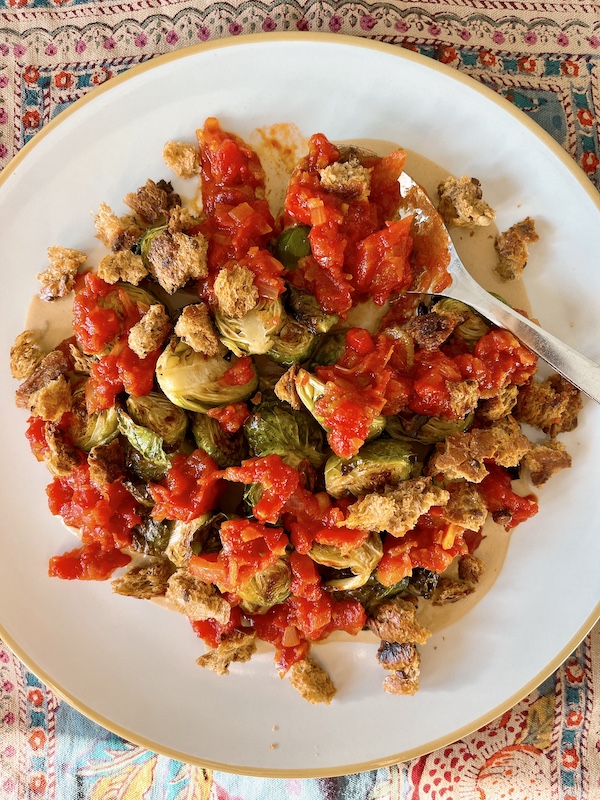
column 404, row 662
column 495, row 408
column 235, row 291
column 61, row 457
column 46, row 393
column 58, row 279
column 176, row 258
column 349, row 179
column 470, row 568
column 106, row 463
column 25, row 355
column 466, row 507
column 397, row 509
column 150, row 332
column 312, row 681
column 395, row 621
column 544, row 460
column 181, row 219
column 451, row 591
column 464, row 396
column 183, row 159
column 236, row 647
column 152, row 201
column 195, row 327
column 461, row 203
column 551, row 405
column 122, row 265
column 461, row 455
column 82, row 363
column 116, row 233
column 431, row 330
column 512, row 250
column 196, row 599
column 285, row 388
column 145, row 581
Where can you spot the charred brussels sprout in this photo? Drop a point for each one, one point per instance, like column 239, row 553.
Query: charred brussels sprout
column 276, row 428
column 292, row 245
column 377, row 464
column 225, row 448
column 156, row 412
column 150, row 537
column 427, row 430
column 151, row 460
column 253, row 333
column 372, row 593
column 194, row 381
column 91, row 430
column 266, row 589
column 292, row 344
column 360, row 562
column 181, row 536
column 473, row 326
column 307, row 311
column 423, row 582
column 330, row 348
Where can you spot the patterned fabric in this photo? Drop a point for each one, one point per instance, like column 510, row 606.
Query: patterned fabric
column 542, row 55
column 546, row 747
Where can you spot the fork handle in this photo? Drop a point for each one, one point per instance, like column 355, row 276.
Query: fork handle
column 581, row 371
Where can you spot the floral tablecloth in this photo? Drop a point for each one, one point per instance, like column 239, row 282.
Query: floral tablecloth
column 542, row 55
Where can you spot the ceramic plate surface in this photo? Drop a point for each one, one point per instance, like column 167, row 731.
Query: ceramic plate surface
column 131, row 665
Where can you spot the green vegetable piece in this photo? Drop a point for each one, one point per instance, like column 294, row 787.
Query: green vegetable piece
column 292, row 245
column 150, row 537
column 277, row 428
column 266, row 589
column 147, row 443
column 181, row 535
column 376, row 465
column 292, row 344
column 306, row 310
column 361, row 562
column 372, row 593
column 159, row 414
column 329, row 349
column 427, row 430
column 253, row 333
column 193, row 381
column 225, row 448
column 91, row 430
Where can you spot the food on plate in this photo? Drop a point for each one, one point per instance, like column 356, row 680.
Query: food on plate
column 512, row 249
column 257, row 419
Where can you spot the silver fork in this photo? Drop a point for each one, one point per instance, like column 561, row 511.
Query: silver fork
column 581, row 371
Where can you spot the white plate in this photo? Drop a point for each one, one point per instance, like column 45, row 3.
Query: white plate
column 130, row 665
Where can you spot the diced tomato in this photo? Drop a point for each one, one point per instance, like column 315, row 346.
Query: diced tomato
column 497, row 360
column 504, row 503
column 105, row 514
column 240, row 373
column 190, row 488
column 431, row 396
column 306, row 581
column 36, row 436
column 278, row 482
column 88, row 563
column 231, row 417
column 267, row 272
column 212, row 632
column 380, row 264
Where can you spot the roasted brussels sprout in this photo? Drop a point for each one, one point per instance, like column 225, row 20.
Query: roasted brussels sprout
column 292, row 245
column 276, row 428
column 292, row 344
column 423, row 582
column 266, row 588
column 195, row 381
column 310, row 389
column 225, row 448
column 427, row 430
column 253, row 333
column 372, row 593
column 91, row 430
column 181, row 535
column 473, row 326
column 149, row 445
column 361, row 562
column 307, row 311
column 330, row 348
column 376, row 465
column 156, row 412
column 150, row 537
